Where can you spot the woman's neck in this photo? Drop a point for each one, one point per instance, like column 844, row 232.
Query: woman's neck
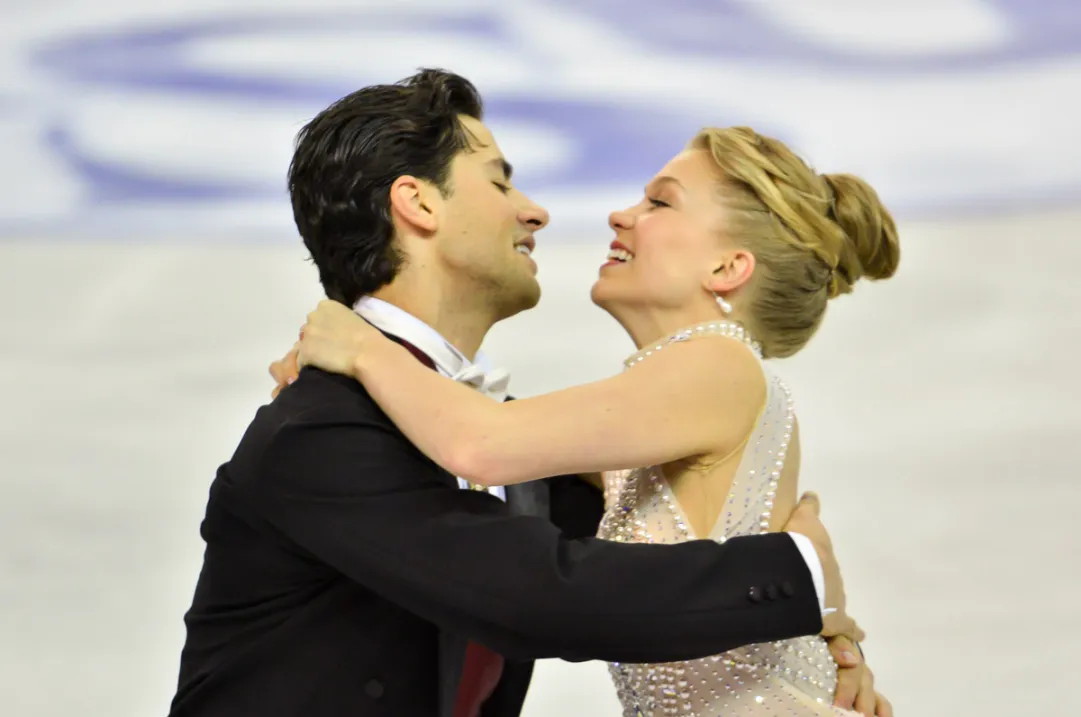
column 648, row 327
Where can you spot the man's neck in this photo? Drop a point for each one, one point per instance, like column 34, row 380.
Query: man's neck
column 463, row 327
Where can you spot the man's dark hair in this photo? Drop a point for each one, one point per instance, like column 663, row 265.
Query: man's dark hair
column 348, row 157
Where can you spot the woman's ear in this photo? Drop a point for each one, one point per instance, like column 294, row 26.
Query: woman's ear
column 733, row 270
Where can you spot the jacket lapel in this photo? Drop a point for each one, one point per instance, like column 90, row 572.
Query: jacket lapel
column 528, row 498
column 451, row 664
column 522, row 499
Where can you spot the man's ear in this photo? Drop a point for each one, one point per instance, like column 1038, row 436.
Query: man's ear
column 414, row 202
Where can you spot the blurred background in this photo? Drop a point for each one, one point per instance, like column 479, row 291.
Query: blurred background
column 150, row 270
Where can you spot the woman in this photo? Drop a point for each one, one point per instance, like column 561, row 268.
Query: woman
column 729, row 259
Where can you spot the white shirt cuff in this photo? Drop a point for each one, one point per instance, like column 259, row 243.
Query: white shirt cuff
column 818, row 576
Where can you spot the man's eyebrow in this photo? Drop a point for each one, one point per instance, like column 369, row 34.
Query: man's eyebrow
column 502, row 165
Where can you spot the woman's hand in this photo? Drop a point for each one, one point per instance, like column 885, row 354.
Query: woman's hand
column 285, row 370
column 334, row 337
column 855, row 681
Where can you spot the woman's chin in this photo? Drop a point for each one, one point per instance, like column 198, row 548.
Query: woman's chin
column 599, row 293
column 615, row 287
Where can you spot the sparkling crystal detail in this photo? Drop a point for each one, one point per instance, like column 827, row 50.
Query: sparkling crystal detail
column 730, row 329
column 794, row 678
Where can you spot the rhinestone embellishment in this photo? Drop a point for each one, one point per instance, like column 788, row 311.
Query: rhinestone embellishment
column 791, row 677
column 731, row 329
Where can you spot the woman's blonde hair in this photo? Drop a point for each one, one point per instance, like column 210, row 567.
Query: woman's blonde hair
column 813, row 236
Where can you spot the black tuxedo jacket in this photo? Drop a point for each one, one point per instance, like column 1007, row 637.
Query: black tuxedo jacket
column 344, row 573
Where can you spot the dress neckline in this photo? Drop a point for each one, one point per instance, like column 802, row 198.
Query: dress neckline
column 731, row 329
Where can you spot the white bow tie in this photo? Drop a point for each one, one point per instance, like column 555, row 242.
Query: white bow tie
column 493, row 384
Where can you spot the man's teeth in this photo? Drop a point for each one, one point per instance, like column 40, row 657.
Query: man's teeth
column 523, row 249
column 620, row 255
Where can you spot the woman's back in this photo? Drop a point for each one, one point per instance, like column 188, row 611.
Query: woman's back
column 793, row 677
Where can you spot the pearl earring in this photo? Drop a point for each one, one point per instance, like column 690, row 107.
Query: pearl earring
column 726, row 308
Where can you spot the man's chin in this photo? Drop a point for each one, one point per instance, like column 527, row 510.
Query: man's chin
column 529, row 299
column 525, row 296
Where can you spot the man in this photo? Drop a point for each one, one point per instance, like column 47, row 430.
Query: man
column 345, row 574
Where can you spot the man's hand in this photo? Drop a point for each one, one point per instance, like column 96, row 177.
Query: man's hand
column 805, row 521
column 855, row 682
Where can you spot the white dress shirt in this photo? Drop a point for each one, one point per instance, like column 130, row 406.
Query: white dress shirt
column 448, row 360
column 452, row 363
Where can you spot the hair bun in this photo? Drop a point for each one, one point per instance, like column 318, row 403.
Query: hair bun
column 871, row 248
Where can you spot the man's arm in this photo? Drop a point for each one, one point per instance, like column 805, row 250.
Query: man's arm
column 577, row 506
column 358, row 496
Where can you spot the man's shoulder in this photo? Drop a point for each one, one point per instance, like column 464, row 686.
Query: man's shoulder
column 316, row 399
column 319, row 420
column 316, row 395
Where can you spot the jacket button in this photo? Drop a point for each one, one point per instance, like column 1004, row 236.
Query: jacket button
column 772, row 592
column 374, row 689
column 787, row 589
column 755, row 595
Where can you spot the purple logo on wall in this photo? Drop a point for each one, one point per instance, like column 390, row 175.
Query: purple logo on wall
column 193, row 119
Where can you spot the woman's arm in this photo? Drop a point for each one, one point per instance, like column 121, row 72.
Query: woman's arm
column 695, row 397
column 692, row 398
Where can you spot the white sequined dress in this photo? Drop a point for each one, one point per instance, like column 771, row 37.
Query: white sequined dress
column 791, row 678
